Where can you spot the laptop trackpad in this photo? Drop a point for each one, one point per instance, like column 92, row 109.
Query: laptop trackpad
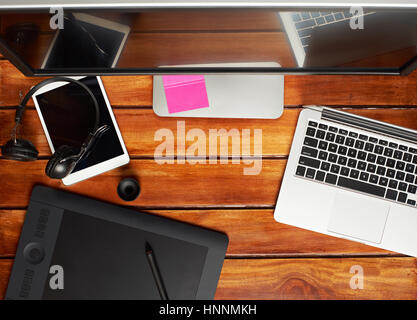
column 358, row 217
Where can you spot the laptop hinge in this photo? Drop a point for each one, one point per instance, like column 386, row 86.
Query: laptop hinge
column 369, row 125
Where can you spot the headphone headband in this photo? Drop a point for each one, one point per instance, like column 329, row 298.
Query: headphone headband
column 21, row 108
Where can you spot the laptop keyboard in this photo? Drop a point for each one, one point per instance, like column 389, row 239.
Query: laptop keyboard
column 305, row 22
column 351, row 160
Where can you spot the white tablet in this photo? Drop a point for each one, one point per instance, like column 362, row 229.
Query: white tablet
column 67, row 115
column 86, row 41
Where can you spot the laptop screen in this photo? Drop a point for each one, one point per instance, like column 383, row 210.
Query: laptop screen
column 161, row 41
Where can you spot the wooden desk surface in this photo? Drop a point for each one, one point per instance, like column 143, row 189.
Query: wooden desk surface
column 265, row 259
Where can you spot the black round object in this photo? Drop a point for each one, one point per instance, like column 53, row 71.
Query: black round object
column 34, row 253
column 20, row 150
column 128, row 189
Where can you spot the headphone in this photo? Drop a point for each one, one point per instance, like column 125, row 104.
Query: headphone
column 66, row 157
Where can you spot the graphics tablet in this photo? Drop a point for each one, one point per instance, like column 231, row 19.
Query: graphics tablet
column 72, row 247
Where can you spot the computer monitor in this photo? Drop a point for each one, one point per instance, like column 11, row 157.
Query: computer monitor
column 239, row 37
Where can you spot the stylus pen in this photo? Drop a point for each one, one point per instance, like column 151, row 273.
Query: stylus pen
column 155, row 271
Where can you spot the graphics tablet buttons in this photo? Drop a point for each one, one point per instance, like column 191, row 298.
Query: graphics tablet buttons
column 34, row 253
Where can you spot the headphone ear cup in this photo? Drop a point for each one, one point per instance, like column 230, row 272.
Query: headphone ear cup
column 20, row 150
column 58, row 167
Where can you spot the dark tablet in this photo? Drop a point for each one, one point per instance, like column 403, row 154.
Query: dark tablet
column 72, row 247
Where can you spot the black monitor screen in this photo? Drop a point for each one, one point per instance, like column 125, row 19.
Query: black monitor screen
column 350, row 39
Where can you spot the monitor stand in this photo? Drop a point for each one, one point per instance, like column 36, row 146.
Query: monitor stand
column 232, row 95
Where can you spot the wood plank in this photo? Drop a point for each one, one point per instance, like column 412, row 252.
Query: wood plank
column 385, row 278
column 299, row 90
column 170, row 185
column 276, row 279
column 122, row 90
column 153, row 50
column 139, row 126
column 251, row 233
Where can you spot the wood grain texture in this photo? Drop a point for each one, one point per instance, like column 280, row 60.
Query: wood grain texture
column 140, row 126
column 279, row 279
column 252, row 233
column 173, row 185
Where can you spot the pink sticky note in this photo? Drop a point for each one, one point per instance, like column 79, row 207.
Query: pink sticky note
column 185, row 93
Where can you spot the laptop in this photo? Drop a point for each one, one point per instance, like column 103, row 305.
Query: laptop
column 356, row 177
column 323, row 39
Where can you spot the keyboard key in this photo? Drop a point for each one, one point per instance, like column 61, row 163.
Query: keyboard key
column 354, row 174
column 391, row 194
column 412, row 150
column 320, row 21
column 400, row 165
column 364, row 176
column 411, row 202
column 330, row 136
column 315, row 14
column 361, row 186
column 402, row 186
column 335, row 169
column 362, row 155
column 393, row 145
column 313, row 163
column 363, row 137
column 391, row 163
column 409, row 178
column 309, row 152
column 311, row 132
column 381, row 171
column 343, row 132
column 383, row 142
column 409, row 168
column 313, row 124
column 342, row 150
column 412, row 189
column 333, row 129
column 344, row 171
column 361, row 165
column 381, row 160
column 325, row 166
column 339, row 16
column 352, row 153
column 371, row 158
column 373, row 178
column 415, row 159
column 305, row 24
column 383, row 181
column 300, row 171
column 349, row 142
column 393, row 184
column 353, row 134
column 320, row 175
column 390, row 173
column 352, row 163
column 359, row 144
column 310, row 142
column 323, row 126
column 323, row 155
column 388, row 152
column 320, row 134
column 332, row 158
column 378, row 149
column 402, row 197
column 398, row 155
column 400, row 175
column 323, row 145
column 310, row 173
column 340, row 139
column 342, row 160
column 371, row 168
column 407, row 157
column 332, row 147
column 305, row 15
column 403, row 148
column 329, row 18
column 369, row 147
column 331, row 178
column 296, row 17
column 373, row 140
